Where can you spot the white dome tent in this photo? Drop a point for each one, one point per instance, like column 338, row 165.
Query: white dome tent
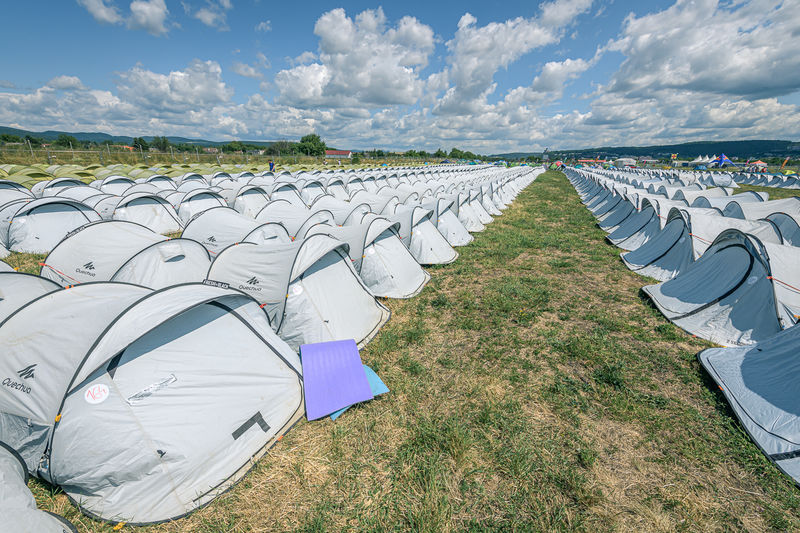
column 38, row 226
column 308, row 288
column 725, row 296
column 125, row 251
column 111, row 359
column 197, row 201
column 296, row 219
column 427, row 245
column 379, row 257
column 19, row 288
column 148, row 210
column 447, row 222
column 17, row 504
column 220, row 227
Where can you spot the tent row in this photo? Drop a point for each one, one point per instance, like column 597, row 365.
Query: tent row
column 726, row 263
column 123, row 175
column 35, row 224
column 293, row 272
column 788, row 180
column 730, row 273
column 145, row 375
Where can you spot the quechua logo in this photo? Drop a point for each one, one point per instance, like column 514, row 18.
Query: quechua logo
column 23, row 373
column 250, row 285
column 27, row 372
column 87, row 269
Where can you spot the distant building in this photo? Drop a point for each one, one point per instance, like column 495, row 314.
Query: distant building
column 339, row 154
column 210, row 150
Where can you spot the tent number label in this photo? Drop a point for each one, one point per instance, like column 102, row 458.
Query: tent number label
column 96, row 394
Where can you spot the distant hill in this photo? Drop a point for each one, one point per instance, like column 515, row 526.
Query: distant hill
column 756, row 148
column 51, row 135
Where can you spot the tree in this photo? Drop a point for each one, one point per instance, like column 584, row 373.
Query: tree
column 34, row 141
column 160, row 143
column 66, row 141
column 282, row 147
column 355, row 158
column 234, row 146
column 10, row 138
column 140, row 144
column 311, row 144
column 440, row 153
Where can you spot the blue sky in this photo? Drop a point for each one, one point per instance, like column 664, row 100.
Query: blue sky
column 485, row 76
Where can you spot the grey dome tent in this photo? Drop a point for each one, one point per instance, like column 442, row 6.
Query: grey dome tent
column 19, row 288
column 8, row 187
column 667, row 254
column 378, row 255
column 297, row 219
column 114, row 250
column 720, row 202
column 616, row 216
column 475, row 203
column 637, row 229
column 311, row 190
column 103, row 204
column 447, row 222
column 689, row 231
column 219, row 227
column 80, row 194
column 197, row 201
column 785, row 276
column 137, row 188
column 756, row 210
column 466, row 215
column 426, row 244
column 725, row 296
column 18, row 510
column 160, row 181
column 343, row 212
column 116, row 185
column 38, row 225
column 148, row 210
column 249, row 200
column 191, row 185
column 308, row 288
column 48, row 187
column 190, row 381
column 760, row 384
column 487, row 201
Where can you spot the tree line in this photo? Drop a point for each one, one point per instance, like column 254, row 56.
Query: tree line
column 309, row 145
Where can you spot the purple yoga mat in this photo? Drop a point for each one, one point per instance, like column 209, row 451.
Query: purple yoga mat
column 333, row 377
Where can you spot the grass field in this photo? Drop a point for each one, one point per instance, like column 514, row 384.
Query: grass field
column 774, row 192
column 532, row 388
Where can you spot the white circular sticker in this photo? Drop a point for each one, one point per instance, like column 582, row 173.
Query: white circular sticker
column 96, row 394
column 683, row 239
column 297, row 290
column 752, row 279
column 371, row 251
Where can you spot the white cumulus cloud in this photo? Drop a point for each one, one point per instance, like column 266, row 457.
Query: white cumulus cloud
column 105, row 14
column 361, row 61
column 149, row 15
